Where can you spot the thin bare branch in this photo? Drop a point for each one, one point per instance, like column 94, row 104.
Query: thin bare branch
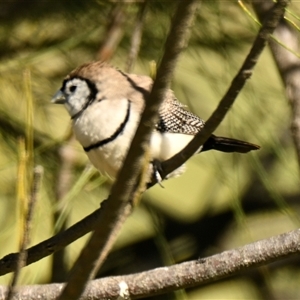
column 63, row 184
column 22, row 255
column 118, row 206
column 53, row 244
column 136, row 36
column 270, row 23
column 114, row 32
column 188, row 274
column 288, row 65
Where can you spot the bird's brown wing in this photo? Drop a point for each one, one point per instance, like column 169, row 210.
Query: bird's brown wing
column 174, row 118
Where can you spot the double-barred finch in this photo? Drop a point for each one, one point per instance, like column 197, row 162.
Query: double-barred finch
column 105, row 105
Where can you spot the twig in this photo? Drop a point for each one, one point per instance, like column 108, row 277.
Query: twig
column 288, row 65
column 53, row 244
column 62, row 186
column 188, row 274
column 118, row 206
column 136, row 36
column 270, row 23
column 114, row 32
column 22, row 255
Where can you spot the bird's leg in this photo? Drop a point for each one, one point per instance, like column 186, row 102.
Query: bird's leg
column 103, row 203
column 157, row 171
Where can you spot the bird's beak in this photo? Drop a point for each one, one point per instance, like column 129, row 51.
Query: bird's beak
column 59, row 98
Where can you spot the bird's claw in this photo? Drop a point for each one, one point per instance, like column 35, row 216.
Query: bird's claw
column 157, row 170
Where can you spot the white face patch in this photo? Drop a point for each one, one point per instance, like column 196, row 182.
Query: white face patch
column 77, row 94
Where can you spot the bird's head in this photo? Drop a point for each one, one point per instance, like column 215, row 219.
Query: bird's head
column 76, row 94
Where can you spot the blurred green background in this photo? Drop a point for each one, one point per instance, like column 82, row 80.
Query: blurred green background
column 222, row 201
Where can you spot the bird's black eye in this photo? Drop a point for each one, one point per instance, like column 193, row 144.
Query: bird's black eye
column 73, row 88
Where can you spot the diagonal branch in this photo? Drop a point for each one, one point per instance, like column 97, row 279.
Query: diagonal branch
column 188, row 274
column 288, row 65
column 136, row 37
column 272, row 20
column 53, row 244
column 118, row 207
column 21, row 262
column 114, row 32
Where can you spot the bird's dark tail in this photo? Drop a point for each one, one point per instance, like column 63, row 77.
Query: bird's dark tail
column 225, row 144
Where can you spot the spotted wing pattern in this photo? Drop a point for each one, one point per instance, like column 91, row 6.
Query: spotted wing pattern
column 174, row 118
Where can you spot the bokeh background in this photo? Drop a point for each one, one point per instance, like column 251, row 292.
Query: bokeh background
column 222, row 201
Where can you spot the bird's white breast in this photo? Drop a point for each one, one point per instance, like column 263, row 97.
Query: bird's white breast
column 164, row 145
column 99, row 122
column 102, row 119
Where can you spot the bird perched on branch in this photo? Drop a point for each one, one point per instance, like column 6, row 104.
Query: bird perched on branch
column 105, row 105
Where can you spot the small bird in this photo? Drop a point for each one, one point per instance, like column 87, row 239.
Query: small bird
column 105, row 105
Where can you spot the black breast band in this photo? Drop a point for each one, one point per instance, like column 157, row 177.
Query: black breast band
column 114, row 135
